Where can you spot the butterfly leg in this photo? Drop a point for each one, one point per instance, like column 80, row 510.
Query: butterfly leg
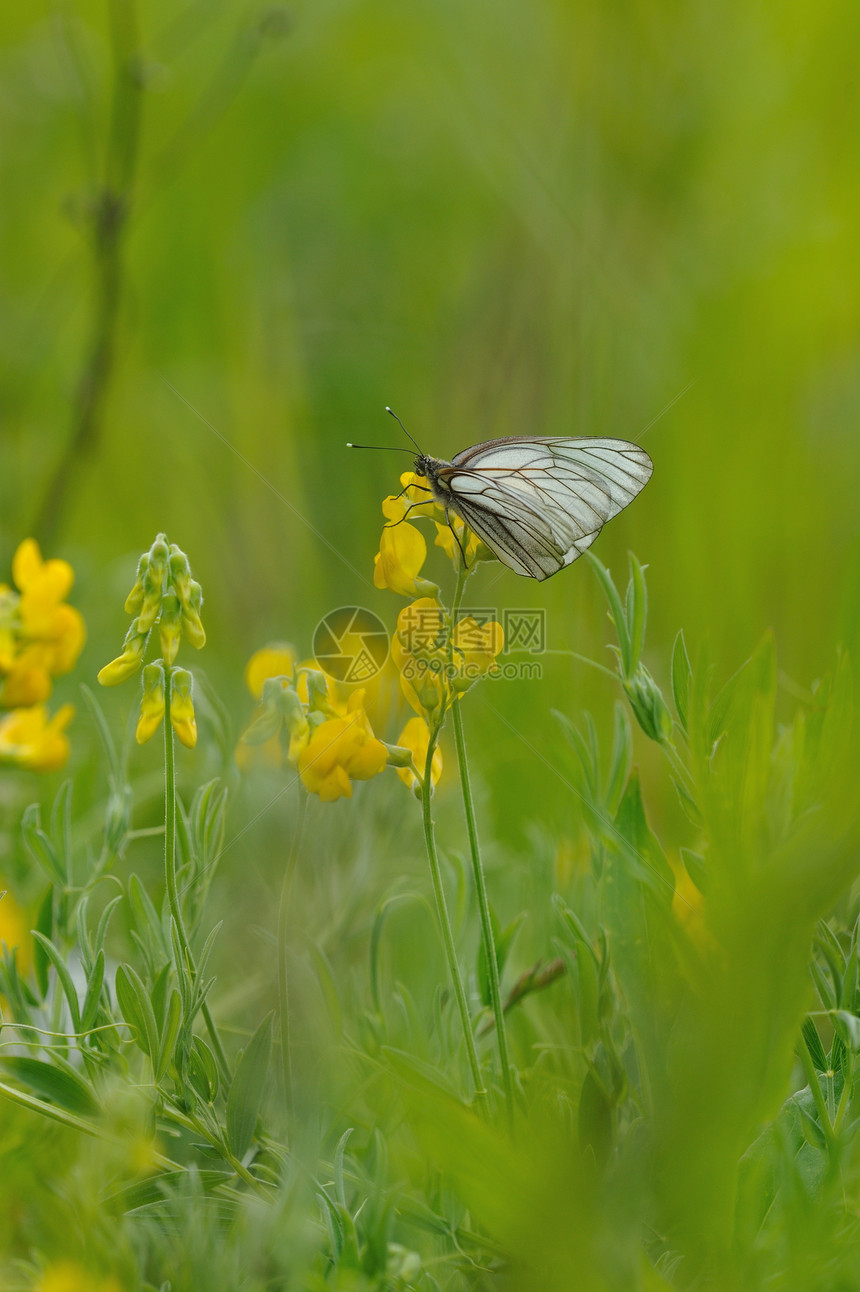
column 392, row 524
column 456, row 539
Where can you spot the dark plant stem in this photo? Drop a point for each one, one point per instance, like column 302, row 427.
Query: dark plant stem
column 110, row 214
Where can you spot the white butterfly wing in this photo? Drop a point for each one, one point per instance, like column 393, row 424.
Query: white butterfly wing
column 539, row 502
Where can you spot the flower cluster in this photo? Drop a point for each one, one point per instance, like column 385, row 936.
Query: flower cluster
column 328, row 737
column 41, row 637
column 167, row 600
column 437, row 660
column 437, row 656
column 403, row 549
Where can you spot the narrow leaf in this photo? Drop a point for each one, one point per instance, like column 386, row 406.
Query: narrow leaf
column 246, row 1092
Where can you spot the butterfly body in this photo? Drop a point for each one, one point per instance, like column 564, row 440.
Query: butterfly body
column 538, row 501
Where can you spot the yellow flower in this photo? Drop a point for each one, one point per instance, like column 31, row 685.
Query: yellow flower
column 182, row 717
column 465, row 540
column 475, row 649
column 164, row 596
column 126, row 664
column 40, row 636
column 69, row 1276
column 27, row 680
column 397, row 564
column 29, row 738
column 15, row 928
column 419, row 650
column 414, row 500
column 340, row 751
column 151, row 704
column 275, row 660
column 416, row 736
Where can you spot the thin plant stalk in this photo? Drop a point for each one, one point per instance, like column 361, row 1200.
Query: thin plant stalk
column 283, row 978
column 484, row 908
column 444, row 917
column 170, row 867
column 489, row 945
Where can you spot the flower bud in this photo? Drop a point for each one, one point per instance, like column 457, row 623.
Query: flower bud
column 179, row 573
column 151, row 704
column 648, row 705
column 191, row 624
column 134, row 600
column 182, row 716
column 170, row 626
column 153, row 588
column 126, row 664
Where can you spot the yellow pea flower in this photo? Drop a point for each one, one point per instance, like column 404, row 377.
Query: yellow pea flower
column 275, row 660
column 15, row 928
column 340, row 751
column 29, row 738
column 126, row 664
column 397, row 564
column 475, row 649
column 414, row 500
column 152, row 703
column 468, row 541
column 182, row 717
column 27, row 680
column 416, row 736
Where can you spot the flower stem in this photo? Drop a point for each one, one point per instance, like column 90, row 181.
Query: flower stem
column 170, row 869
column 445, row 919
column 283, row 981
column 484, row 908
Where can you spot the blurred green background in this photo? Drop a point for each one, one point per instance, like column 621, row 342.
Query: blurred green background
column 499, row 218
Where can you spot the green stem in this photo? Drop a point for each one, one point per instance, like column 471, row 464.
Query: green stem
column 170, row 869
column 283, row 980
column 484, row 908
column 817, row 1095
column 444, row 918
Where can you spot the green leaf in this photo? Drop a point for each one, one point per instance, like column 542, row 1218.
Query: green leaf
column 202, row 1069
column 616, row 611
column 104, row 921
column 45, row 925
column 136, row 1009
column 61, row 827
column 337, row 1165
column 246, row 1092
column 696, row 868
column 61, row 1086
column 637, row 611
column 169, row 1034
column 643, row 849
column 812, row 1041
column 64, row 977
column 483, row 968
column 40, row 846
column 622, row 754
column 92, row 1000
column 680, row 675
column 847, row 1026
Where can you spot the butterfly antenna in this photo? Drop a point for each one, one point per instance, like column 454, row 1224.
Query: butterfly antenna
column 382, row 448
column 403, row 428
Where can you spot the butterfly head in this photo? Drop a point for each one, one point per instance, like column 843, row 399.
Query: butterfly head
column 421, row 464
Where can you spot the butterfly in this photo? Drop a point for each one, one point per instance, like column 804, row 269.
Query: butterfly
column 537, row 501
